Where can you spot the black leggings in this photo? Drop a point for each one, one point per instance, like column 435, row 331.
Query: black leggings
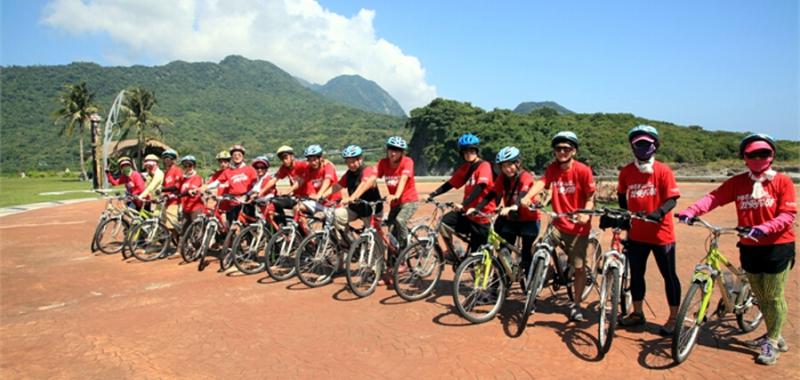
column 478, row 233
column 638, row 254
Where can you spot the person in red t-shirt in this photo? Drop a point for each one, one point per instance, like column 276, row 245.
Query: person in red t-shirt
column 475, row 175
column 397, row 169
column 648, row 187
column 292, row 169
column 509, row 187
column 173, row 175
column 317, row 179
column 191, row 201
column 765, row 202
column 571, row 187
column 133, row 181
column 239, row 178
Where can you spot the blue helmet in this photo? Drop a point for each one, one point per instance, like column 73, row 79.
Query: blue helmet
column 189, row 158
column 468, row 141
column 313, row 150
column 756, row 137
column 352, row 151
column 506, row 154
column 396, row 142
column 171, row 153
column 565, row 136
column 644, row 130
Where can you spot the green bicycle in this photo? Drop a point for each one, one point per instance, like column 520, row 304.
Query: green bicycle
column 734, row 288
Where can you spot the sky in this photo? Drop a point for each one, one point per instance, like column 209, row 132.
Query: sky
column 723, row 65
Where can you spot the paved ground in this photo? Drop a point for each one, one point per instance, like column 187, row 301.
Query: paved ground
column 65, row 313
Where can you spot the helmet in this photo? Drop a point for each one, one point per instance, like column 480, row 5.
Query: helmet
column 313, row 150
column 468, row 141
column 171, row 153
column 260, row 160
column 189, row 158
column 237, row 147
column 567, row 136
column 284, row 149
column 224, row 155
column 151, row 157
column 352, row 151
column 397, row 142
column 124, row 160
column 506, row 154
column 644, row 130
column 756, row 137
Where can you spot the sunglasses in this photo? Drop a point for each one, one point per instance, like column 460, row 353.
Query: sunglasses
column 563, row 148
column 761, row 153
column 642, row 144
column 261, row 167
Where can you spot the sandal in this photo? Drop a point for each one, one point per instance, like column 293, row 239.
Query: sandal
column 667, row 329
column 632, row 319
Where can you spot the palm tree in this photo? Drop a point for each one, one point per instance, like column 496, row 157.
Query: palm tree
column 76, row 106
column 139, row 118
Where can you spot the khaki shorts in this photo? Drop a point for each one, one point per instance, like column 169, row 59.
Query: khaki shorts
column 574, row 245
column 172, row 216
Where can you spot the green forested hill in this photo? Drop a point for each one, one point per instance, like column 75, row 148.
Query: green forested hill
column 357, row 92
column 212, row 106
column 437, row 127
column 528, row 107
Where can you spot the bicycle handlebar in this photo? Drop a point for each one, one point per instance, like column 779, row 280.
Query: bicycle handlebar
column 741, row 231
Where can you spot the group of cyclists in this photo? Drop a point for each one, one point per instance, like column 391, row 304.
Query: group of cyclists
column 764, row 199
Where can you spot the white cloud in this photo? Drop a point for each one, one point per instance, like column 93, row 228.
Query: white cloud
column 299, row 36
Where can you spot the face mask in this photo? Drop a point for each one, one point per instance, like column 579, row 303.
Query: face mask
column 127, row 171
column 756, row 165
column 644, row 152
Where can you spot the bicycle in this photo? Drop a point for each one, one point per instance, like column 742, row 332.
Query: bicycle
column 365, row 259
column 424, row 259
column 112, row 225
column 280, row 261
column 249, row 248
column 150, row 239
column 192, row 244
column 492, row 270
column 320, row 254
column 736, row 295
column 547, row 252
column 212, row 225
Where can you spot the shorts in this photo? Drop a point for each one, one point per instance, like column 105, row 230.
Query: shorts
column 574, row 245
column 314, row 206
column 171, row 219
column 770, row 259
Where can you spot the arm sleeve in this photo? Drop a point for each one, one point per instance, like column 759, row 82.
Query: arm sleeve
column 476, row 192
column 719, row 197
column 667, row 206
column 622, row 199
column 485, row 201
column 442, row 189
column 112, row 180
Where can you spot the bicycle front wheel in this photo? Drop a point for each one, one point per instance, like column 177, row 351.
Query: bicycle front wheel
column 478, row 289
column 609, row 305
column 691, row 315
column 748, row 314
column 592, row 267
column 110, row 235
column 417, row 270
column 249, row 249
column 533, row 285
column 317, row 259
column 149, row 241
column 281, row 249
column 192, row 241
column 363, row 267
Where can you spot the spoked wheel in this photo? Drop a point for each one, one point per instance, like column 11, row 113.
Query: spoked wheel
column 249, row 249
column 592, row 266
column 317, row 259
column 688, row 322
column 748, row 314
column 608, row 307
column 110, row 237
column 97, row 233
column 363, row 267
column 280, row 258
column 533, row 285
column 129, row 236
column 478, row 289
column 149, row 241
column 417, row 270
column 226, row 253
column 192, row 241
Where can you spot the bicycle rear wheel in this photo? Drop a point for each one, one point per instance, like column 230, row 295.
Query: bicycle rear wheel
column 249, row 249
column 110, row 237
column 609, row 305
column 534, row 284
column 688, row 322
column 748, row 314
column 363, row 267
column 478, row 295
column 150, row 240
column 192, row 241
column 100, row 222
column 317, row 259
column 417, row 270
column 281, row 250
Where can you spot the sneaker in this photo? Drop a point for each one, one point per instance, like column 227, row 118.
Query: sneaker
column 575, row 314
column 769, row 353
column 632, row 319
column 757, row 342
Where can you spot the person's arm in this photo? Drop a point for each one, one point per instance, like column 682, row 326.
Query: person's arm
column 270, row 184
column 622, row 200
column 476, row 192
column 113, row 181
column 658, row 214
column 332, row 189
column 398, row 192
column 364, row 186
column 537, row 188
column 153, row 183
column 445, row 187
column 488, row 198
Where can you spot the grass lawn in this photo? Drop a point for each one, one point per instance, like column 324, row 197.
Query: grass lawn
column 19, row 191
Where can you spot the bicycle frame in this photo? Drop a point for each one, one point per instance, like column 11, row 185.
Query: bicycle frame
column 709, row 270
column 489, row 250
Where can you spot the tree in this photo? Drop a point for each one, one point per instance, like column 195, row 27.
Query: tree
column 139, row 118
column 76, row 107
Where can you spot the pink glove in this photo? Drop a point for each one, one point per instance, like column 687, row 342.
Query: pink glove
column 686, row 217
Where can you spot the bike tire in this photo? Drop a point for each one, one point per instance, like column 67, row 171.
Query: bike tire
column 594, row 257
column 314, row 267
column 417, row 271
column 191, row 241
column 466, row 297
column 535, row 283
column 281, row 250
column 117, row 227
column 608, row 308
column 685, row 336
column 226, row 256
column 145, row 248
column 361, row 271
column 246, row 256
column 96, row 232
column 745, row 302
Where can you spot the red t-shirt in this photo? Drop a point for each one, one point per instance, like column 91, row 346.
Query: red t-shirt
column 392, row 176
column 191, row 203
column 516, row 190
column 173, row 178
column 295, row 174
column 222, row 185
column 239, row 180
column 313, row 179
column 751, row 212
column 645, row 193
column 481, row 175
column 571, row 189
column 134, row 184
